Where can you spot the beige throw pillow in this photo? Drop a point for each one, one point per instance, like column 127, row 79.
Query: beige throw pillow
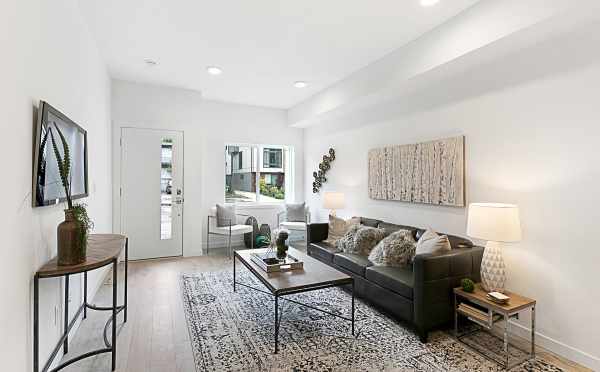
column 432, row 242
column 338, row 228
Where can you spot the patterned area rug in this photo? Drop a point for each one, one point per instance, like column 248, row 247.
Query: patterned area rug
column 234, row 332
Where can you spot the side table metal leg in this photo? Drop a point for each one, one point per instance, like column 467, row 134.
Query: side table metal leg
column 114, row 317
column 455, row 316
column 85, row 294
column 506, row 325
column 36, row 324
column 533, row 332
column 276, row 324
column 66, row 315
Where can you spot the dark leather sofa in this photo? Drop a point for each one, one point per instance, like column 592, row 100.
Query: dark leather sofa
column 420, row 293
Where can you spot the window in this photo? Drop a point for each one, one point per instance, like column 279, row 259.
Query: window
column 166, row 183
column 272, row 158
column 257, row 173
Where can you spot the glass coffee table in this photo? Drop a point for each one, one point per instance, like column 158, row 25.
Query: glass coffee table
column 313, row 276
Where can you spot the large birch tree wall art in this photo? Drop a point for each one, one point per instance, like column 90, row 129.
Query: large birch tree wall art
column 429, row 172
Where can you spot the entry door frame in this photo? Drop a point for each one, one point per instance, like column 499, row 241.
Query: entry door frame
column 120, row 186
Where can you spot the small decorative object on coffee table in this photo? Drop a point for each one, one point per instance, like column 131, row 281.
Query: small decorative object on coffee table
column 480, row 309
column 281, row 236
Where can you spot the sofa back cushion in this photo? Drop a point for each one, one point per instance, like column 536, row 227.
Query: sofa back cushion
column 392, row 228
column 371, row 222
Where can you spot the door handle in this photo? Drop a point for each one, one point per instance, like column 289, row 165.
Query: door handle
column 178, row 200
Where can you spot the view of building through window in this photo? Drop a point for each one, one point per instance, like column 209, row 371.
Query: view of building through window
column 256, row 173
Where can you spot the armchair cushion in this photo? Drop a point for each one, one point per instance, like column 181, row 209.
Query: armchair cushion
column 225, row 215
column 296, row 212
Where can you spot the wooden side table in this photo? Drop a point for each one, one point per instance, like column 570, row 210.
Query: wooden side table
column 492, row 313
column 102, row 250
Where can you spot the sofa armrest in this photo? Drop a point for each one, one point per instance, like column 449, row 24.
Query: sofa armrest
column 317, row 232
column 435, row 275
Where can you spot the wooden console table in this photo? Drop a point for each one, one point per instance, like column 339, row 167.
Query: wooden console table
column 102, row 250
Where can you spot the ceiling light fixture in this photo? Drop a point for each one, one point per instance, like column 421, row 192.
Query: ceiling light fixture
column 429, row 2
column 300, row 84
column 214, row 70
column 150, row 62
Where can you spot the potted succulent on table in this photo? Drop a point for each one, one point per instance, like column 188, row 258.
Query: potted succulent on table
column 73, row 232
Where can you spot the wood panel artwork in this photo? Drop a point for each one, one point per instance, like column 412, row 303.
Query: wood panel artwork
column 428, row 172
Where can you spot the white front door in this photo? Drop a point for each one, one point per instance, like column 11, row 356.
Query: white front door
column 152, row 192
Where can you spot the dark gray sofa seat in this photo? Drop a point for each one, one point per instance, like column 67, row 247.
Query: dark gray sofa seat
column 396, row 279
column 421, row 294
column 353, row 262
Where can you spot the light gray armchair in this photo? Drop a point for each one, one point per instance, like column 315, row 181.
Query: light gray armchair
column 230, row 228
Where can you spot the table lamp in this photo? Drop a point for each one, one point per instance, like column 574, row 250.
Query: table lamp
column 333, row 201
column 496, row 223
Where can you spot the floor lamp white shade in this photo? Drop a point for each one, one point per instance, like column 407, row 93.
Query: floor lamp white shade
column 496, row 223
column 333, row 201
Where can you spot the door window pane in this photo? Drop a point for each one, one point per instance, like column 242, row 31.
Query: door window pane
column 166, row 189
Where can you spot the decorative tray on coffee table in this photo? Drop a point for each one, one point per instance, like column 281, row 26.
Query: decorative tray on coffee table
column 270, row 263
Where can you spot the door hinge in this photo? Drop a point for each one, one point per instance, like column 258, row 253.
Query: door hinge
column 120, row 191
column 121, row 141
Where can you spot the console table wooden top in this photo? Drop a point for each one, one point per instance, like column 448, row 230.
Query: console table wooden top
column 101, row 250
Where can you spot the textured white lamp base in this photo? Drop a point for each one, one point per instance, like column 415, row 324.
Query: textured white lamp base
column 493, row 270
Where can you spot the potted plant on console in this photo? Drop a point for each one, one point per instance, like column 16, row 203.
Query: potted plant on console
column 72, row 233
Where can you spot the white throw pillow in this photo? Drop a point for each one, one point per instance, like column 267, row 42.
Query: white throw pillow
column 432, row 242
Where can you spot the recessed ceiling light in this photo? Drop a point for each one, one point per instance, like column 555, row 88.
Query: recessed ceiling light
column 150, row 62
column 214, row 70
column 300, row 84
column 429, row 2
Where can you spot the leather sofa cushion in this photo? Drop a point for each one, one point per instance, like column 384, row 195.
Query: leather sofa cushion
column 391, row 228
column 371, row 222
column 352, row 262
column 323, row 251
column 396, row 279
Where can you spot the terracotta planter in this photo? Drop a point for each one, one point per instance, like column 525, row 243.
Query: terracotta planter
column 71, row 249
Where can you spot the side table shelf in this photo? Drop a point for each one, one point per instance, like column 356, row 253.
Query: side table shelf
column 492, row 313
column 102, row 250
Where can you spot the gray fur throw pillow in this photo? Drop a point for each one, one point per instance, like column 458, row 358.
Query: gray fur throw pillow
column 397, row 249
column 346, row 242
column 365, row 239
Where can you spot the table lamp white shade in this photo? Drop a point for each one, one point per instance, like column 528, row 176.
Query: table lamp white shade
column 496, row 223
column 333, row 201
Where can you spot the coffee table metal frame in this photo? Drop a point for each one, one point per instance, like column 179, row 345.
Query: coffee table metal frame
column 277, row 294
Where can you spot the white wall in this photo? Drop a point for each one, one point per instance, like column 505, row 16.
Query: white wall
column 207, row 127
column 531, row 122
column 47, row 53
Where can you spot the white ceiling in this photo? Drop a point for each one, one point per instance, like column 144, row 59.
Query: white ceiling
column 263, row 46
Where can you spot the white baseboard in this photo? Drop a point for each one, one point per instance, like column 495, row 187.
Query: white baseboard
column 557, row 347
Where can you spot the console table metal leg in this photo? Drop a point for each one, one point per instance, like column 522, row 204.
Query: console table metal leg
column 85, row 294
column 66, row 315
column 114, row 317
column 36, row 325
column 352, row 307
column 533, row 332
column 276, row 324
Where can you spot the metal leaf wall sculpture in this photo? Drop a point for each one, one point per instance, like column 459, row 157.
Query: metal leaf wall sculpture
column 324, row 166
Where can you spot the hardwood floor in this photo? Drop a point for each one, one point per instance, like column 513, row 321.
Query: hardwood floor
column 155, row 338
